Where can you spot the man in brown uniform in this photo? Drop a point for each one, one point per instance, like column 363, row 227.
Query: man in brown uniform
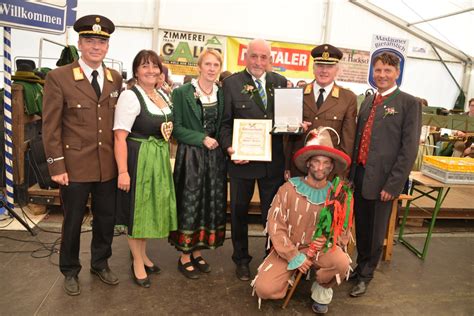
column 326, row 104
column 78, row 115
column 292, row 220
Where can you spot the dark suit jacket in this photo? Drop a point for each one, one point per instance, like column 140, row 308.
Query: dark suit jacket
column 78, row 127
column 393, row 145
column 338, row 111
column 238, row 105
column 187, row 111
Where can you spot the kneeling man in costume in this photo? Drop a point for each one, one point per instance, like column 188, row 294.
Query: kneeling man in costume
column 309, row 224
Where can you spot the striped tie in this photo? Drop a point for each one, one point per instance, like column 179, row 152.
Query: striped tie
column 261, row 91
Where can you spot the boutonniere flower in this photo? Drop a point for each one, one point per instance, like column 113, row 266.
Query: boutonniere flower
column 389, row 111
column 197, row 95
column 248, row 89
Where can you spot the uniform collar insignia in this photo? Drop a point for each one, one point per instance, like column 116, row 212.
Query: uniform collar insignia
column 335, row 91
column 78, row 74
column 308, row 88
column 108, row 74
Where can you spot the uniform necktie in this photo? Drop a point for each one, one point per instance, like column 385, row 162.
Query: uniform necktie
column 320, row 99
column 261, row 91
column 95, row 83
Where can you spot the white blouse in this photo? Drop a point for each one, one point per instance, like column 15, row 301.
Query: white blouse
column 128, row 108
column 202, row 96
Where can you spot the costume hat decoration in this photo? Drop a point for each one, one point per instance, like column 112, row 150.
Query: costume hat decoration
column 318, row 143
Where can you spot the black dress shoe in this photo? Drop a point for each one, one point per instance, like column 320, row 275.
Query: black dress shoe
column 203, row 267
column 243, row 272
column 359, row 289
column 106, row 275
column 71, row 285
column 141, row 282
column 154, row 269
column 190, row 274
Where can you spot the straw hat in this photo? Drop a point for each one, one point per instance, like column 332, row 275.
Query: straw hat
column 318, row 143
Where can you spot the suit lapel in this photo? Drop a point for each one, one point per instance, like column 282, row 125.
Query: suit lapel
column 269, row 89
column 86, row 88
column 331, row 100
column 82, row 83
column 108, row 85
column 194, row 103
column 365, row 107
column 220, row 105
column 255, row 95
column 308, row 98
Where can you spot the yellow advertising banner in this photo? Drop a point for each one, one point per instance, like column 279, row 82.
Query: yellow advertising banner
column 180, row 49
column 294, row 60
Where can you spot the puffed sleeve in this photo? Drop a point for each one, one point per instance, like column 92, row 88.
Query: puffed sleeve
column 128, row 108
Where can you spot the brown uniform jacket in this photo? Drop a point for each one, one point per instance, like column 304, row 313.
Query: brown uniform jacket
column 338, row 111
column 77, row 126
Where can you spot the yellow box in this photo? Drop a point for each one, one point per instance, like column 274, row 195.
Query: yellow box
column 450, row 163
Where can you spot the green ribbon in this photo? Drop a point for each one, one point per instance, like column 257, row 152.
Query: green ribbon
column 155, row 199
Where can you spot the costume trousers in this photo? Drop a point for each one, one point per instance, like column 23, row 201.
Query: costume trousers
column 74, row 200
column 371, row 217
column 241, row 192
column 273, row 278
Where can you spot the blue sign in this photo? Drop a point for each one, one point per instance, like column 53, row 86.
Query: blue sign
column 37, row 16
column 388, row 50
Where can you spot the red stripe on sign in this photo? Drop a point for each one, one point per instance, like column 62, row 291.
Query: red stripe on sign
column 242, row 51
column 284, row 58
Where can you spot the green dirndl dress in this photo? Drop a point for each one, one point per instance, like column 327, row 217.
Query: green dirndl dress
column 148, row 210
column 201, row 192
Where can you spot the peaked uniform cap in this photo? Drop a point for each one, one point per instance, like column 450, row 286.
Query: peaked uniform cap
column 326, row 54
column 94, row 26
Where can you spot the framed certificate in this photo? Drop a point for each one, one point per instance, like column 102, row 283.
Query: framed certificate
column 288, row 111
column 252, row 140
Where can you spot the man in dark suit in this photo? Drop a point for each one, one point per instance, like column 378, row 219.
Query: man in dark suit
column 256, row 103
column 326, row 104
column 388, row 133
column 78, row 115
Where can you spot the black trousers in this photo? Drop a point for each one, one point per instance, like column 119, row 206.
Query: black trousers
column 371, row 217
column 74, row 200
column 241, row 192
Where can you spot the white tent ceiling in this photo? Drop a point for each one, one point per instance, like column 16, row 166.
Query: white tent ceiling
column 456, row 30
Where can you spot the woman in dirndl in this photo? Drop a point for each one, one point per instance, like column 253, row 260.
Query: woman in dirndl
column 146, row 202
column 199, row 172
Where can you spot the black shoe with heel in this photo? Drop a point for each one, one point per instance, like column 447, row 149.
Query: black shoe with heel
column 154, row 269
column 203, row 267
column 190, row 274
column 141, row 282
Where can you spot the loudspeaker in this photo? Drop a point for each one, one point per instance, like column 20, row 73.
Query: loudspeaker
column 39, row 164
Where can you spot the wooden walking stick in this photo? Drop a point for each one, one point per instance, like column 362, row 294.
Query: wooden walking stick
column 292, row 290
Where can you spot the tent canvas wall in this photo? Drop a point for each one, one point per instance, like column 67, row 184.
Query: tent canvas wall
column 338, row 22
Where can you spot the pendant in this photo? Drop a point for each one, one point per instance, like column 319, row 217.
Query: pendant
column 166, row 130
